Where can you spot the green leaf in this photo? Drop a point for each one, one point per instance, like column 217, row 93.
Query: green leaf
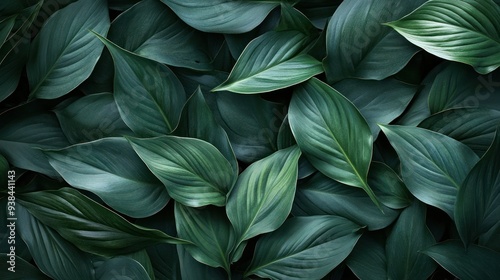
column 293, row 19
column 12, row 66
column 408, row 237
column 88, row 225
column 112, row 170
column 474, row 263
column 221, row 16
column 23, row 270
column 271, row 62
column 320, row 117
column 211, row 233
column 54, row 255
column 474, row 127
column 252, row 206
column 142, row 258
column 6, row 26
column 388, row 187
column 65, row 52
column 321, row 195
column 194, row 172
column 465, row 31
column 304, row 248
column 121, row 268
column 148, row 89
column 380, row 102
column 198, row 121
column 478, row 200
column 318, row 11
column 433, row 166
column 151, row 30
column 91, row 117
column 368, row 259
column 192, row 269
column 358, row 46
column 27, row 128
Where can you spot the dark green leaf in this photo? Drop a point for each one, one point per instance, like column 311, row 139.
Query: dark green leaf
column 112, row 170
column 194, row 172
column 408, row 237
column 65, row 52
column 465, row 31
column 474, row 263
column 332, row 134
column 433, row 166
column 11, row 67
column 121, row 268
column 368, row 259
column 252, row 205
column 143, row 259
column 23, row 270
column 318, row 11
column 388, row 187
column 6, row 26
column 88, row 225
column 192, row 269
column 304, row 248
column 293, row 19
column 148, row 95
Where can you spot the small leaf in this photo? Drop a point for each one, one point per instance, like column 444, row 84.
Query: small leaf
column 474, row 263
column 121, row 268
column 433, row 166
column 252, row 206
column 147, row 88
column 388, row 187
column 270, row 62
column 111, row 169
column 332, row 134
column 465, row 31
column 65, row 52
column 88, row 225
column 194, row 172
column 478, row 200
column 304, row 248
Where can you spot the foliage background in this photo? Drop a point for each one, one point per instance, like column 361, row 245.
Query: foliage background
column 251, row 139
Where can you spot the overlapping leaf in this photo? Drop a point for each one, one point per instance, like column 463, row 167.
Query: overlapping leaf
column 121, row 267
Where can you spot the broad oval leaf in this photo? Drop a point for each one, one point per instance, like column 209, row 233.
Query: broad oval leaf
column 64, row 53
column 88, row 225
column 121, row 268
column 477, row 209
column 54, row 255
column 91, row 117
column 252, row 206
column 149, row 96
column 332, row 133
column 359, row 46
column 321, row 195
column 221, row 16
column 473, row 263
column 111, row 169
column 464, row 31
column 408, row 237
column 304, row 248
column 433, row 166
column 211, row 233
column 271, row 62
column 194, row 172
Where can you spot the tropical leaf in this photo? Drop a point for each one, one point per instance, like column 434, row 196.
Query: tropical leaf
column 465, row 31
column 388, row 187
column 192, row 269
column 368, row 259
column 121, row 267
column 23, row 269
column 194, row 172
column 65, row 52
column 11, row 67
column 304, row 247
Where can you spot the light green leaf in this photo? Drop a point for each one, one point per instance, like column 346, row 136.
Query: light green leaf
column 474, row 127
column 478, row 200
column 152, row 30
column 112, row 170
column 252, row 206
column 121, row 268
column 270, row 62
column 91, row 117
column 332, row 134
column 388, row 187
column 23, row 270
column 359, row 46
column 194, row 172
column 464, row 31
column 54, row 255
column 211, row 233
column 304, row 248
column 433, row 166
column 88, row 225
column 472, row 263
column 27, row 128
column 149, row 96
column 408, row 237
column 221, row 16
column 65, row 52
column 320, row 195
column 380, row 102
column 368, row 259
